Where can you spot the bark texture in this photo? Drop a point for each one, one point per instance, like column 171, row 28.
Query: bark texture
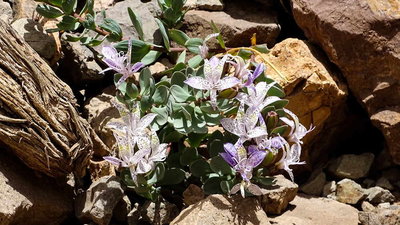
column 38, row 119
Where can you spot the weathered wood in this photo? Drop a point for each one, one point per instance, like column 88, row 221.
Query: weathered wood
column 38, row 119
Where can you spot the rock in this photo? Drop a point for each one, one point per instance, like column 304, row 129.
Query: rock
column 26, row 197
column 99, row 169
column 122, row 209
column 78, row 66
column 349, row 192
column 134, row 215
column 367, row 183
column 315, row 184
column 34, row 34
column 381, row 216
column 119, row 13
column 383, row 160
column 99, row 200
column 100, row 111
column 5, row 11
column 314, row 91
column 238, row 29
column 378, row 195
column 193, row 194
column 213, row 5
column 367, row 207
column 336, row 26
column 384, row 183
column 165, row 212
column 344, row 166
column 276, row 198
column 222, row 210
column 102, row 5
column 329, row 190
column 308, row 210
column 24, row 8
column 392, row 174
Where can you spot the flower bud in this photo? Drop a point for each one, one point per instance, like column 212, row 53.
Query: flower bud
column 272, row 119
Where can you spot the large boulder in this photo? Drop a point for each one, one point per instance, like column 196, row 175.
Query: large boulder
column 222, row 210
column 307, row 210
column 314, row 90
column 362, row 38
column 349, row 192
column 26, row 197
column 237, row 25
column 344, row 166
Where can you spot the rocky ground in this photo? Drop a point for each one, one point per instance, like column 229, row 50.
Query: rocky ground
column 341, row 61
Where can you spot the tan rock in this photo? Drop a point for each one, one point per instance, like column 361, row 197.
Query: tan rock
column 315, row 184
column 99, row 169
column 276, row 197
column 222, row 210
column 344, row 166
column 309, row 210
column 349, row 192
column 362, row 38
column 381, row 216
column 214, row 5
column 193, row 194
column 314, row 91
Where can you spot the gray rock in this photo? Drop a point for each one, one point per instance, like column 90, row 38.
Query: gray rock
column 329, row 190
column 384, row 183
column 159, row 213
column 26, row 197
column 5, row 11
column 276, row 198
column 378, row 195
column 367, row 207
column 381, row 216
column 349, row 192
column 237, row 25
column 23, row 8
column 352, row 166
column 315, row 184
column 213, row 5
column 367, row 183
column 222, row 210
column 122, row 209
column 98, row 202
column 193, row 194
column 34, row 34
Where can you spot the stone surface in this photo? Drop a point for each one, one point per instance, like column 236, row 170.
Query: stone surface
column 26, row 197
column 349, row 192
column 34, row 34
column 352, row 166
column 329, row 190
column 222, row 210
column 351, row 34
column 314, row 91
column 378, row 195
column 367, row 207
column 102, row 4
column 5, row 11
column 78, row 66
column 165, row 212
column 315, row 184
column 237, row 26
column 24, row 8
column 381, row 216
column 99, row 169
column 99, row 200
column 213, row 5
column 276, row 198
column 122, row 209
column 193, row 194
column 307, row 210
column 384, row 183
column 119, row 13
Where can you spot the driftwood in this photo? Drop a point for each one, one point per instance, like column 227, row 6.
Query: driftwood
column 38, row 119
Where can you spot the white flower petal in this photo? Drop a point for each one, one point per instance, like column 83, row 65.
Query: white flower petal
column 198, row 83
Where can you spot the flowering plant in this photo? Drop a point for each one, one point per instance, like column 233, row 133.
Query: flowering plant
column 215, row 119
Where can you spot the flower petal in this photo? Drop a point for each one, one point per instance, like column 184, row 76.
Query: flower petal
column 228, row 82
column 135, row 67
column 146, row 120
column 115, row 161
column 198, row 83
column 257, row 132
column 256, row 158
column 228, row 158
column 109, row 51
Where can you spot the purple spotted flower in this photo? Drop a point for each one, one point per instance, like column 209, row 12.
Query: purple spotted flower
column 212, row 82
column 204, row 48
column 253, row 76
column 119, row 62
column 257, row 96
column 291, row 156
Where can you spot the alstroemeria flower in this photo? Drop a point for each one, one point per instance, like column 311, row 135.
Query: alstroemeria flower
column 297, row 130
column 204, row 48
column 272, row 144
column 156, row 153
column 245, row 124
column 241, row 71
column 291, row 156
column 257, row 96
column 119, row 62
column 253, row 76
column 243, row 161
column 212, row 82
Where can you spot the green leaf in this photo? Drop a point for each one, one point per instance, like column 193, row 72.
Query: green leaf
column 113, row 27
column 178, row 78
column 146, row 103
column 195, row 61
column 200, row 168
column 89, row 23
column 187, row 112
column 215, row 147
column 245, row 54
column 212, row 186
column 266, row 181
column 68, row 23
column 49, row 11
column 71, row 38
column 262, row 48
column 172, row 176
column 227, row 185
column 161, row 95
column 161, row 118
column 182, row 57
column 132, row 90
column 188, row 156
column 280, row 103
column 219, row 38
column 180, row 94
column 177, row 5
column 280, row 130
column 137, row 23
column 193, row 45
column 150, row 57
column 57, row 3
column 275, row 91
column 157, row 174
column 196, row 139
column 178, row 36
column 220, row 166
column 88, row 8
column 69, row 6
column 145, row 80
column 164, row 34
